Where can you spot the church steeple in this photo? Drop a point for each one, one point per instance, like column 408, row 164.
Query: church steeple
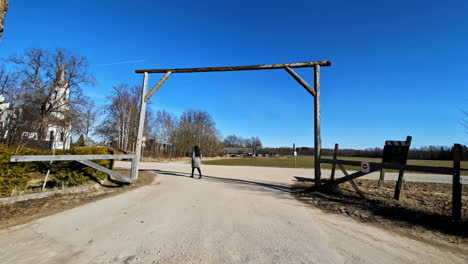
column 61, row 79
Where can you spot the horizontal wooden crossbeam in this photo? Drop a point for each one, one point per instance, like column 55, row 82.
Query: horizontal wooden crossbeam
column 374, row 166
column 240, row 68
column 68, row 157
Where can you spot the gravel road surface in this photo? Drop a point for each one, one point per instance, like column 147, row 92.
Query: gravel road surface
column 232, row 215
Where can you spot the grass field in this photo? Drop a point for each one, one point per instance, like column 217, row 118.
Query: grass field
column 308, row 162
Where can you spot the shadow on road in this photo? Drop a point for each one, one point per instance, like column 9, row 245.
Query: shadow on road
column 283, row 190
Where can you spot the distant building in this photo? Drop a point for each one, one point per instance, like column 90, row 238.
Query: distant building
column 238, row 151
column 58, row 136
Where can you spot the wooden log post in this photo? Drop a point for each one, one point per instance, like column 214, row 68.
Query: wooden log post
column 317, row 138
column 335, row 154
column 141, row 126
column 456, row 185
column 399, row 185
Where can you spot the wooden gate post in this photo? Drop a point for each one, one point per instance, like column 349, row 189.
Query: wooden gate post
column 399, row 184
column 456, row 185
column 335, row 153
column 381, row 178
column 317, row 139
column 141, row 127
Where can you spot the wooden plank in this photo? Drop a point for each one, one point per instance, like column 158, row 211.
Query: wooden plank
column 353, row 176
column 300, row 80
column 157, row 86
column 141, row 127
column 391, row 166
column 317, row 138
column 353, row 184
column 335, row 154
column 67, row 157
column 456, row 185
column 240, row 68
column 105, row 170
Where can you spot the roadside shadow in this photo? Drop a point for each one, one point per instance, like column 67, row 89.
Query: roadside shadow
column 374, row 210
column 283, row 191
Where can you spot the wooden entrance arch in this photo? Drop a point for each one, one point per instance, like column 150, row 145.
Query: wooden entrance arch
column 288, row 67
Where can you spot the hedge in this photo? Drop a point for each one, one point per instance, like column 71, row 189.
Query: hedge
column 14, row 177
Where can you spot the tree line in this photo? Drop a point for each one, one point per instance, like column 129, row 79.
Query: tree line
column 166, row 135
column 421, row 153
column 237, row 141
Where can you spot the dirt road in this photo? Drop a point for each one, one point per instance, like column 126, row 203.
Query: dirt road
column 232, row 215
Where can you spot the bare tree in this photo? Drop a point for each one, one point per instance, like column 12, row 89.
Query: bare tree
column 41, row 73
column 197, row 128
column 85, row 119
column 120, row 125
column 234, row 141
column 164, row 132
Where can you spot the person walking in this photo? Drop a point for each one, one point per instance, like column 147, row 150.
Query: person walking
column 196, row 160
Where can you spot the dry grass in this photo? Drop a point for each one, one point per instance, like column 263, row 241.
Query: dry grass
column 423, row 212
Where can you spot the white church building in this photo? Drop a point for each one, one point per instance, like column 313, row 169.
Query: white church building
column 58, row 136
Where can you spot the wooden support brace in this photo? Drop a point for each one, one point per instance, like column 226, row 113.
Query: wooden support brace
column 105, row 170
column 353, row 176
column 157, row 86
column 300, row 80
column 355, row 187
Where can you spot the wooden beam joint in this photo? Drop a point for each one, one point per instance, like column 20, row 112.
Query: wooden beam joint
column 300, row 80
column 157, row 86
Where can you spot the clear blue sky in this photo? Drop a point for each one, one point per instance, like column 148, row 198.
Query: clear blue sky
column 399, row 67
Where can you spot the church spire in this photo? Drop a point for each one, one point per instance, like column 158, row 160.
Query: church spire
column 61, row 79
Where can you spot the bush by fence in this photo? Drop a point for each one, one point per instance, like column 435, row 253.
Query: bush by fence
column 14, row 177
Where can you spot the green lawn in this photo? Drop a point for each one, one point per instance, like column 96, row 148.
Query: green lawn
column 308, row 162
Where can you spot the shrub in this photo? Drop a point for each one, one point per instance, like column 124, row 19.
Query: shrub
column 15, row 176
column 12, row 179
column 70, row 178
column 76, row 166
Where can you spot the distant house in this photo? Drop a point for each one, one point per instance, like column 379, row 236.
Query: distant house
column 238, row 151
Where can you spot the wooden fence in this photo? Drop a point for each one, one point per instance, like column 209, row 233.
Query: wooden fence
column 374, row 166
